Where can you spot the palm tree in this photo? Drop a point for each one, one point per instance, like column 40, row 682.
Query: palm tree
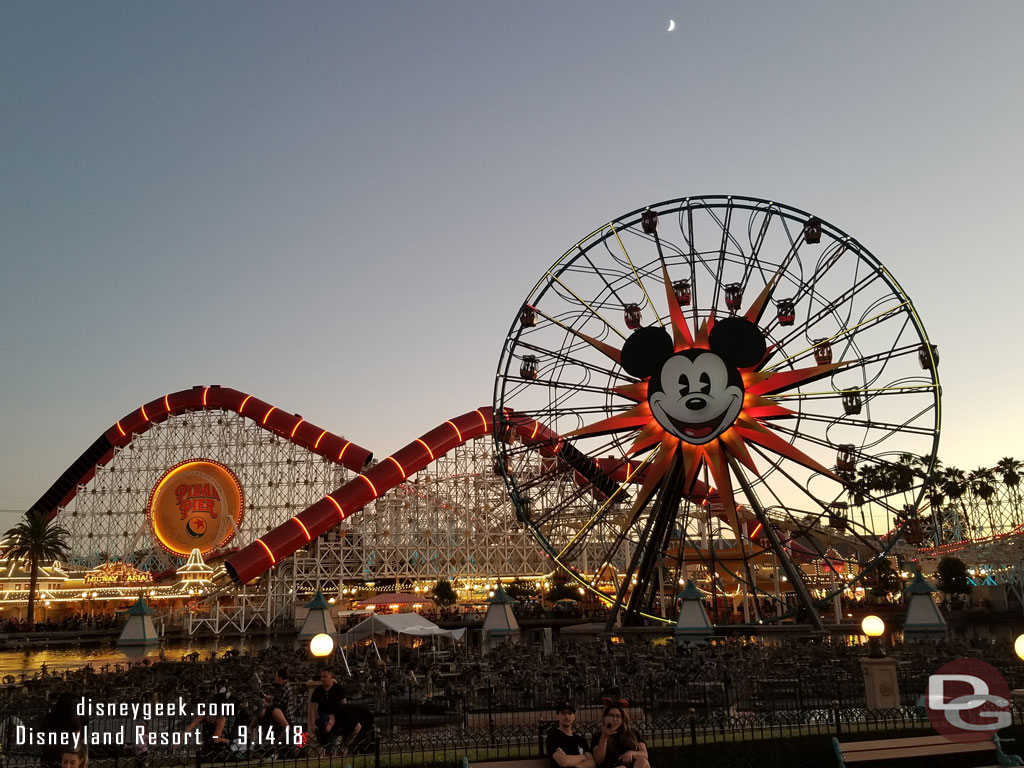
column 982, row 484
column 953, row 482
column 37, row 540
column 1010, row 469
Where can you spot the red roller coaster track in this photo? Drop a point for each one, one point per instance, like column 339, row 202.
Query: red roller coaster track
column 297, row 531
column 291, row 426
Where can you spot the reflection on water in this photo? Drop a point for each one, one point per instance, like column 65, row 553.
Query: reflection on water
column 30, row 660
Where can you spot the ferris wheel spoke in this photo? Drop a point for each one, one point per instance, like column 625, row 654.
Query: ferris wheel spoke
column 903, row 389
column 756, row 243
column 639, row 282
column 594, row 270
column 583, row 303
column 867, row 424
column 804, row 426
column 847, row 334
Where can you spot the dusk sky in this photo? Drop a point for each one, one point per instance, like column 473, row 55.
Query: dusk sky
column 339, row 207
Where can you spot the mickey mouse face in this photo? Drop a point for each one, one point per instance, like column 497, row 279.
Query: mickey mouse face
column 695, row 394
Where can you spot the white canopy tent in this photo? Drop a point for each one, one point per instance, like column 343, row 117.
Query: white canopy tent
column 400, row 624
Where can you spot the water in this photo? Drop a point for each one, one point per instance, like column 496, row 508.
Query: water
column 29, row 660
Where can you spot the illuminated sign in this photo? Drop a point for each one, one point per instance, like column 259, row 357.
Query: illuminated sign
column 196, row 504
column 118, row 573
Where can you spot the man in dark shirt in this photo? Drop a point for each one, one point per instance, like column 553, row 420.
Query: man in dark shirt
column 354, row 725
column 324, row 700
column 565, row 748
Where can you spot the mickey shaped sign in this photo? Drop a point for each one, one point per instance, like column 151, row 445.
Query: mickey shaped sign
column 695, row 394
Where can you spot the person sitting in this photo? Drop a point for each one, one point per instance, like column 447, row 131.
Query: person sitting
column 323, row 701
column 565, row 748
column 75, row 758
column 353, row 723
column 270, row 718
column 214, row 740
column 616, row 744
column 281, row 692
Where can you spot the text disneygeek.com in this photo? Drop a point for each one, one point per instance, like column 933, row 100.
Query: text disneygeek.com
column 137, row 733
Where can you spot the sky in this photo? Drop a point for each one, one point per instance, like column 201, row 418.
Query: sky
column 340, row 207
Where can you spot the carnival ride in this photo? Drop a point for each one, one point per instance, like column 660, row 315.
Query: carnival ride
column 576, row 470
column 715, row 342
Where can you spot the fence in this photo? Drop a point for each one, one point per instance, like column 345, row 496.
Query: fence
column 495, row 734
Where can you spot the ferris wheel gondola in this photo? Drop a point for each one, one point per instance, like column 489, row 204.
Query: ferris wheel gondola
column 710, row 377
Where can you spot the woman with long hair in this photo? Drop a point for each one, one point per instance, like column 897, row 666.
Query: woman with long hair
column 75, row 758
column 616, row 744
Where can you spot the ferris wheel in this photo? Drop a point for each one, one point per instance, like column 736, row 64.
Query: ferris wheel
column 696, row 391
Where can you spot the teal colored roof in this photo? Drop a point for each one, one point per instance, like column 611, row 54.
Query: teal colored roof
column 690, row 591
column 501, row 596
column 318, row 603
column 919, row 586
column 139, row 608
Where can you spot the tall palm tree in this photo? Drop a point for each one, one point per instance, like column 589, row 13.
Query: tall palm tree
column 981, row 483
column 1009, row 469
column 37, row 540
column 953, row 482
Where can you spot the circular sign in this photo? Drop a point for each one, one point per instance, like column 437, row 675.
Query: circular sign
column 968, row 700
column 196, row 504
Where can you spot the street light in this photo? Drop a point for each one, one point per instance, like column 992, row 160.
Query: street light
column 1018, row 647
column 874, row 628
column 321, row 645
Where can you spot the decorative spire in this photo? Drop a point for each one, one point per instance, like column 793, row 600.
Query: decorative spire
column 690, row 591
column 919, row 586
column 501, row 596
column 139, row 608
column 318, row 603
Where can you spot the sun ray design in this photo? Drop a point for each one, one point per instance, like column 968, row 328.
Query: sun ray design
column 751, row 425
column 716, row 385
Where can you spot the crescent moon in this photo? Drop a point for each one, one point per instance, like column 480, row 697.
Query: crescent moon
column 671, row 24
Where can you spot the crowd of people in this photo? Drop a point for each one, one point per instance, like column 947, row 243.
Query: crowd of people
column 288, row 704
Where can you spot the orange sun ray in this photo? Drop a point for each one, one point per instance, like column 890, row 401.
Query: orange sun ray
column 759, row 407
column 646, row 437
column 701, row 339
column 777, row 382
column 720, row 474
column 636, row 391
column 692, row 460
column 652, row 481
column 738, row 448
column 753, row 432
column 680, row 330
column 636, row 416
column 606, row 349
column 756, row 309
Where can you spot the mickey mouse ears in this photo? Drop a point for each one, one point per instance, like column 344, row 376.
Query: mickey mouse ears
column 738, row 340
column 735, row 339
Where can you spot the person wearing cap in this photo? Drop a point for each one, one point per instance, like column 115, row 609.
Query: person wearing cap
column 565, row 748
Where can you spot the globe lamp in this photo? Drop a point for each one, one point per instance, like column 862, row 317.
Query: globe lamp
column 874, row 628
column 321, row 645
column 1018, row 647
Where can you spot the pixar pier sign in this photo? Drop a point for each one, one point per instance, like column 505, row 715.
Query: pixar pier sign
column 197, row 504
